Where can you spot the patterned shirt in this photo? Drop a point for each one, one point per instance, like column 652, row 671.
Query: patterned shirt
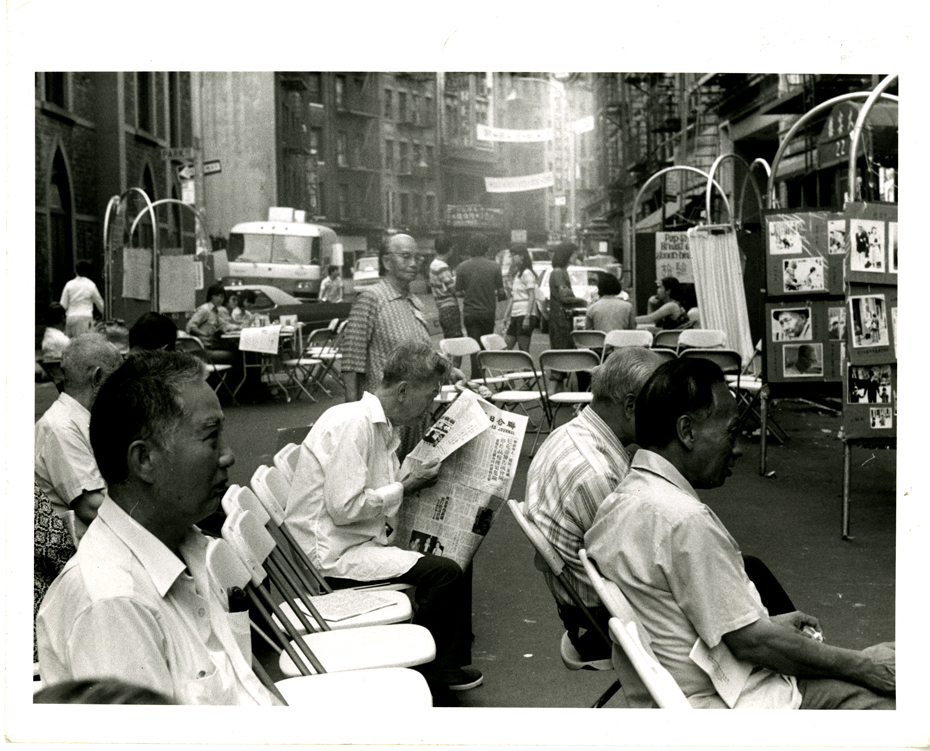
column 442, row 284
column 576, row 468
column 381, row 318
column 53, row 549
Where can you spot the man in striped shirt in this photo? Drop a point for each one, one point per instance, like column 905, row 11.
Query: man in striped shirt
column 576, row 468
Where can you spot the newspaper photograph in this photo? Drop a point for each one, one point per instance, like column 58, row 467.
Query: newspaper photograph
column 479, row 445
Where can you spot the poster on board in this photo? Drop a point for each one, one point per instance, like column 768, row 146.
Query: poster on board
column 804, row 340
column 870, row 401
column 673, row 257
column 871, row 321
column 872, row 237
column 805, row 252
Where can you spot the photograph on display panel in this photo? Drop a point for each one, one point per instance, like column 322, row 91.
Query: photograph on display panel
column 836, row 232
column 869, row 384
column 803, row 275
column 837, row 323
column 868, row 245
column 785, row 237
column 880, row 418
column 893, row 247
column 792, row 325
column 802, row 360
column 869, row 321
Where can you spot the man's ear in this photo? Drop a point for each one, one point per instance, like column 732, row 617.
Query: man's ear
column 140, row 461
column 685, row 427
column 97, row 377
column 629, row 406
column 401, row 391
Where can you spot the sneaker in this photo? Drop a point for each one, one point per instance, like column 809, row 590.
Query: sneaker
column 464, row 679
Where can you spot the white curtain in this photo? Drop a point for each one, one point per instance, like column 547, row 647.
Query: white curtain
column 718, row 282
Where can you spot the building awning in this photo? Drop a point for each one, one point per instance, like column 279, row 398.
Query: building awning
column 653, row 222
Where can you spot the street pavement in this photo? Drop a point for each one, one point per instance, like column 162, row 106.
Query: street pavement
column 791, row 521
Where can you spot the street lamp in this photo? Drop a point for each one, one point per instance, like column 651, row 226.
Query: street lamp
column 557, row 84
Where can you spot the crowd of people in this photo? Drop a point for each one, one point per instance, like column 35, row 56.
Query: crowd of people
column 132, row 457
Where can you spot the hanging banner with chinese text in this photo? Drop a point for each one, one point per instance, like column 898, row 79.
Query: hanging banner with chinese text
column 508, row 135
column 519, row 184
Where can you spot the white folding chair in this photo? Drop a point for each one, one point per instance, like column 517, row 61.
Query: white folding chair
column 626, row 338
column 300, row 366
column 702, row 339
column 465, row 346
column 589, row 339
column 547, row 558
column 396, row 645
column 525, row 390
column 286, row 460
column 667, row 339
column 641, row 673
column 493, row 341
column 566, row 361
column 389, row 688
column 374, row 608
column 194, row 346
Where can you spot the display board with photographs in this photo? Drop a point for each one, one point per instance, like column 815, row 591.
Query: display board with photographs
column 805, row 340
column 872, row 230
column 870, row 401
column 805, row 252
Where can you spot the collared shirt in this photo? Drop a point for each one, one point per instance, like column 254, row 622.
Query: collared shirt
column 575, row 469
column 54, row 342
column 64, row 462
column 610, row 313
column 79, row 297
column 331, row 290
column 381, row 318
column 684, row 577
column 479, row 278
column 345, row 491
column 209, row 320
column 520, row 290
column 126, row 607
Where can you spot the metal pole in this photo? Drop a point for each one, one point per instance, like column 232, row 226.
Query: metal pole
column 860, row 124
column 717, row 162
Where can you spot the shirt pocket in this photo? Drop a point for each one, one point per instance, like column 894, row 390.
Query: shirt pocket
column 208, row 687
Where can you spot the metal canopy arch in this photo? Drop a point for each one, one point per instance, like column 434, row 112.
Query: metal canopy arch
column 201, row 222
column 770, row 188
column 115, row 201
column 738, row 220
column 877, row 92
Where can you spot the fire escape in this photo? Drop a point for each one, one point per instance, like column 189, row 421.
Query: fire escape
column 358, row 149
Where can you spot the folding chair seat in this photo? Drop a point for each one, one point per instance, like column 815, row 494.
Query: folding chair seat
column 286, row 460
column 493, row 341
column 388, row 688
column 194, row 346
column 329, row 352
column 372, row 608
column 316, row 651
column 626, row 338
column 641, row 673
column 701, row 339
column 526, row 390
column 589, row 339
column 271, row 489
column 566, row 361
column 547, row 558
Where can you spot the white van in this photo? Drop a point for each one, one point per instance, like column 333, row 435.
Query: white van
column 286, row 252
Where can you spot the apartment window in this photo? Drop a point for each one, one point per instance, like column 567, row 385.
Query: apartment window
column 430, row 155
column 417, row 154
column 315, row 87
column 405, row 208
column 145, row 102
column 402, row 106
column 388, row 104
column 415, row 107
column 316, row 143
column 428, row 110
column 404, row 157
column 174, row 109
column 343, row 201
column 342, row 149
column 340, row 91
column 389, row 155
column 430, row 208
column 417, row 205
column 55, row 89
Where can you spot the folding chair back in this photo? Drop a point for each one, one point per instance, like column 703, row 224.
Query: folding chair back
column 493, row 341
column 702, row 338
column 627, row 338
column 459, row 346
column 525, row 388
column 667, row 339
column 728, row 360
column 589, row 339
column 193, row 345
column 641, row 671
column 566, row 361
column 286, row 460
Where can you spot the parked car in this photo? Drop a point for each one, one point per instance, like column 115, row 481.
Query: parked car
column 584, row 285
column 366, row 272
column 608, row 263
column 274, row 303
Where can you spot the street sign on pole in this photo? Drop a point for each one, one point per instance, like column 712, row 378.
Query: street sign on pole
column 188, row 192
column 185, row 172
column 212, row 167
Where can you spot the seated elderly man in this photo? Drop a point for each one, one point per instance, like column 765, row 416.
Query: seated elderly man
column 346, row 488
column 575, row 469
column 136, row 602
column 64, row 467
column 683, row 575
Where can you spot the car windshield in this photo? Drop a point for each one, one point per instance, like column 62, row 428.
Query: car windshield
column 368, row 264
